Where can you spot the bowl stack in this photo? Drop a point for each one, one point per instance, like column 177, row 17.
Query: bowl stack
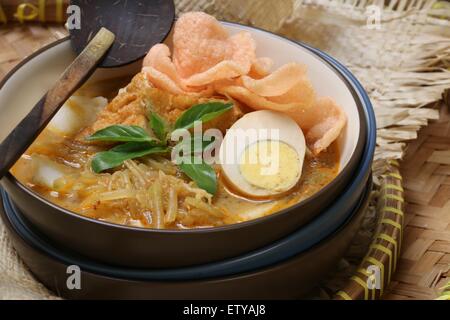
column 279, row 256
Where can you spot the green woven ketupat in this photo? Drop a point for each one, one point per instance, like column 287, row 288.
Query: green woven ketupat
column 385, row 248
column 445, row 295
column 43, row 11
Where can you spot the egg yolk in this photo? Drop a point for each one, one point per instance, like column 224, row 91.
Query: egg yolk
column 270, row 165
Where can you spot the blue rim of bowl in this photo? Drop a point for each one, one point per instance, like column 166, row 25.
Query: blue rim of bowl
column 280, row 250
column 332, row 63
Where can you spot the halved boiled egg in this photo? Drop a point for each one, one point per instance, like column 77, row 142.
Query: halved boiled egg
column 262, row 154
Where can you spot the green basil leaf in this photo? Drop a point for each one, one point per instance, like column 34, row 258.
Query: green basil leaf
column 116, row 156
column 122, row 133
column 159, row 127
column 201, row 112
column 193, row 145
column 202, row 174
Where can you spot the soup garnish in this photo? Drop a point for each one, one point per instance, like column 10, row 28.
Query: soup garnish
column 204, row 137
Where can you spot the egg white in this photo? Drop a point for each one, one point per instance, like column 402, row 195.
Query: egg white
column 250, row 129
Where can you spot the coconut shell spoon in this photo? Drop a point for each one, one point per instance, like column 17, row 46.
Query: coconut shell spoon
column 112, row 34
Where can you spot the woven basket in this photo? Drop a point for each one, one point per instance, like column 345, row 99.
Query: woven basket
column 372, row 272
column 376, row 270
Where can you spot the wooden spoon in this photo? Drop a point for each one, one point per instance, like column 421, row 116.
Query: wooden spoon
column 137, row 27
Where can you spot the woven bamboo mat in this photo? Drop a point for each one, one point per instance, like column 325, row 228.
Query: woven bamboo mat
column 19, row 41
column 422, row 266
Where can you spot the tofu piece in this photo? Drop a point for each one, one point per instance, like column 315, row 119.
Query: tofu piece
column 133, row 105
column 46, row 171
column 127, row 108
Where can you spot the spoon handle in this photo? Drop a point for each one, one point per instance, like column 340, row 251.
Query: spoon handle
column 17, row 142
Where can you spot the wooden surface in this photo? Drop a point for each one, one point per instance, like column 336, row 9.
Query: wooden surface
column 425, row 259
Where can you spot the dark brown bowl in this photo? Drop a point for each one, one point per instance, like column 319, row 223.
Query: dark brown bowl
column 150, row 248
column 290, row 279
